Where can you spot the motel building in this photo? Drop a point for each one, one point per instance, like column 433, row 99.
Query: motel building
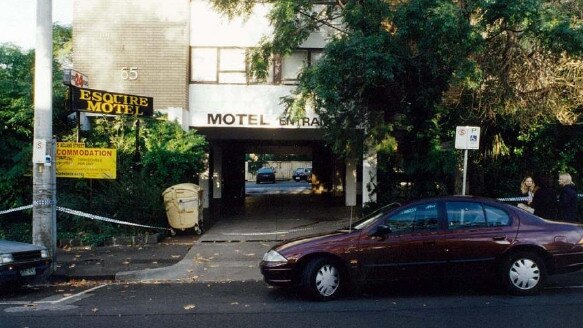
column 191, row 60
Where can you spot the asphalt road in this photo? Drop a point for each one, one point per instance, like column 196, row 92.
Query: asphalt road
column 254, row 304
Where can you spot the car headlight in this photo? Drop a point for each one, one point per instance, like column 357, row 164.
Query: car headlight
column 6, row 258
column 44, row 253
column 273, row 256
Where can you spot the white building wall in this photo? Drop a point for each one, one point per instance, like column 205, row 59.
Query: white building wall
column 219, row 83
column 254, row 106
column 241, row 31
column 220, row 92
column 350, row 180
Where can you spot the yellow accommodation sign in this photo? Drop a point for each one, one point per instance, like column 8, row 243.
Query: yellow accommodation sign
column 76, row 161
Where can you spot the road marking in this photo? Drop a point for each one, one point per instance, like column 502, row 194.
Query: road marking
column 78, row 295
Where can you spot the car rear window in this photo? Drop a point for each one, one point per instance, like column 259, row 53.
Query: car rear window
column 496, row 216
column 468, row 214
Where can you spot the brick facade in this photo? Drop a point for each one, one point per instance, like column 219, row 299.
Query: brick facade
column 136, row 47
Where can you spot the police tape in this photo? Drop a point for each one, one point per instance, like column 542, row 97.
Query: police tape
column 87, row 215
column 101, row 218
column 522, row 199
column 513, row 199
column 16, row 209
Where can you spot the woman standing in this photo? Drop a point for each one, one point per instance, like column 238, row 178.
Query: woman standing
column 545, row 199
column 567, row 198
column 528, row 188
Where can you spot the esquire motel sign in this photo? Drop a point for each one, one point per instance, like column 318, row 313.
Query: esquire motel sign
column 110, row 103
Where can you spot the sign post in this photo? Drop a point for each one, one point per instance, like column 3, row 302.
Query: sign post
column 72, row 78
column 467, row 137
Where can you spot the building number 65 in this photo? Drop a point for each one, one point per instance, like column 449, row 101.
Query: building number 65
column 129, row 73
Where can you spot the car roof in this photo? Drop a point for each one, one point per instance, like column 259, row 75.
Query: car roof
column 455, row 198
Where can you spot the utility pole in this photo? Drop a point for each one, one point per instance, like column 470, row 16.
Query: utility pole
column 44, row 226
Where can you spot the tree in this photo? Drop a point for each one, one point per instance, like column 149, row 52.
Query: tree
column 408, row 72
column 167, row 155
column 16, row 117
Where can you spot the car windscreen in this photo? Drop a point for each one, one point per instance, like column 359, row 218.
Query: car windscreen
column 372, row 217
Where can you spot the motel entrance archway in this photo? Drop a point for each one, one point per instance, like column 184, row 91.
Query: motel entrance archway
column 225, row 182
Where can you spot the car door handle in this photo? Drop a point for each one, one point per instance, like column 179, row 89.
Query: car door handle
column 498, row 238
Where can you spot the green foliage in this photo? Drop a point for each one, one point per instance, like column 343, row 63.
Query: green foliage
column 16, row 231
column 162, row 155
column 165, row 155
column 16, row 112
column 16, row 117
column 406, row 73
column 173, row 155
column 389, row 81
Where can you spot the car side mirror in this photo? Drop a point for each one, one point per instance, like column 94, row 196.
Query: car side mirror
column 381, row 231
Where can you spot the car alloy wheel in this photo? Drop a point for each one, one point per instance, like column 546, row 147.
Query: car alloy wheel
column 525, row 274
column 322, row 279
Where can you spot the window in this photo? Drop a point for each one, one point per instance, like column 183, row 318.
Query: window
column 496, row 217
column 466, row 214
column 232, row 66
column 204, row 64
column 420, row 217
column 426, row 217
column 293, row 64
column 229, row 65
column 218, row 65
column 288, row 68
column 315, row 55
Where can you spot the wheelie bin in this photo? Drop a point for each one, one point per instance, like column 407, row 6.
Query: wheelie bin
column 183, row 203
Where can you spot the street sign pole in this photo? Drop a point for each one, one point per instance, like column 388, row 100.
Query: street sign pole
column 73, row 78
column 466, row 137
column 465, row 172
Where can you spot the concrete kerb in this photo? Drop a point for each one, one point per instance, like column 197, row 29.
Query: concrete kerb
column 145, row 239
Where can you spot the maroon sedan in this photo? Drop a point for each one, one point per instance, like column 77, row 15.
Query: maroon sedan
column 437, row 237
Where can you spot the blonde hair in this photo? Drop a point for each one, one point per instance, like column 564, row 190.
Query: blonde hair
column 567, row 178
column 526, row 189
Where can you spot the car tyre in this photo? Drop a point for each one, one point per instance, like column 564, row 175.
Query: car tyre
column 523, row 273
column 322, row 279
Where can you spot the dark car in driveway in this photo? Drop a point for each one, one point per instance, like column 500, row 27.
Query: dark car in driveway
column 302, row 174
column 22, row 263
column 265, row 174
column 454, row 236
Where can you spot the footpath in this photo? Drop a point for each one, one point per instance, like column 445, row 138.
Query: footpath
column 229, row 251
